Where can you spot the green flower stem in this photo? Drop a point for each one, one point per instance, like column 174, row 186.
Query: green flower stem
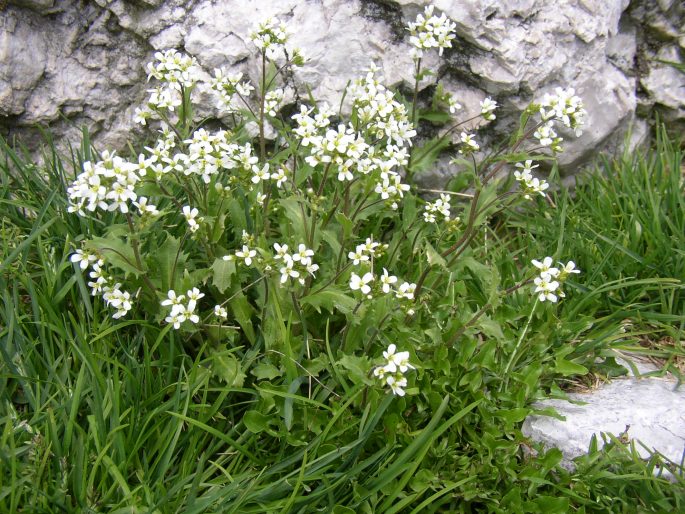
column 414, row 108
column 482, row 311
column 312, row 230
column 262, row 103
column 178, row 254
column 136, row 253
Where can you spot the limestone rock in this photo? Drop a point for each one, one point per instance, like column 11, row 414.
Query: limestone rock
column 87, row 58
column 648, row 409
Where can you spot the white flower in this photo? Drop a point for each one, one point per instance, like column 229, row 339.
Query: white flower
column 83, row 258
column 361, row 283
column 172, row 299
column 487, row 108
column 220, row 312
column 144, row 208
column 526, row 173
column 546, row 287
column 569, row 267
column 246, row 254
column 193, row 296
column 546, row 134
column 190, row 216
column 453, row 104
column 358, row 255
column 406, row 290
column 120, row 300
column 260, row 174
column 396, row 385
column 141, row 115
column 287, row 271
column 303, row 255
column 387, row 281
column 545, row 267
column 431, row 31
column 281, row 252
column 565, row 107
column 175, row 319
column 280, row 177
column 468, row 143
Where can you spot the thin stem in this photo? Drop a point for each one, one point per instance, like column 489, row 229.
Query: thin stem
column 414, row 108
column 482, row 311
column 262, row 103
column 136, row 253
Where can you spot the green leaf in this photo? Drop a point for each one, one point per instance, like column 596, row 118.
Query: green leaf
column 346, row 223
column 227, row 368
column 358, row 368
column 433, row 257
column 293, row 213
column 163, row 259
column 223, row 271
column 567, row 368
column 256, row 422
column 332, row 300
column 552, row 504
column 242, row 310
column 118, row 253
column 339, row 509
column 332, row 239
column 265, row 371
column 424, row 156
column 218, row 228
column 513, row 415
column 440, row 117
column 408, row 211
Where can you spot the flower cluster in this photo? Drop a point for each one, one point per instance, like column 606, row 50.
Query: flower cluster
column 272, row 101
column 365, row 253
column 380, row 118
column 531, row 185
column 440, row 206
column 174, row 68
column 180, row 309
column 176, row 72
column 270, row 37
column 431, row 31
column 108, row 185
column 227, row 85
column 378, row 112
column 487, row 109
column 547, row 136
column 101, row 283
column 564, row 106
column 394, row 369
column 549, row 280
column 342, row 147
column 120, row 300
column 468, row 144
column 295, row 265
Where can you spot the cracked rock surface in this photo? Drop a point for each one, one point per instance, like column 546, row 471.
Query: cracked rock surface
column 647, row 409
column 74, row 63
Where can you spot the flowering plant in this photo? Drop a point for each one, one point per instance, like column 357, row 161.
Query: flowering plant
column 248, row 243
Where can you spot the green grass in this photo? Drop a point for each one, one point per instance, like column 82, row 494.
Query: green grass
column 104, row 416
column 624, row 225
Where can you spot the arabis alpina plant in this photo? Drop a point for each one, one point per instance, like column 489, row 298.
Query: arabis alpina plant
column 393, row 371
column 548, row 283
column 431, row 31
column 311, row 248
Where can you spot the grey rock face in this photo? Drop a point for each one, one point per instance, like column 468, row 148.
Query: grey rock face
column 69, row 63
column 649, row 410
